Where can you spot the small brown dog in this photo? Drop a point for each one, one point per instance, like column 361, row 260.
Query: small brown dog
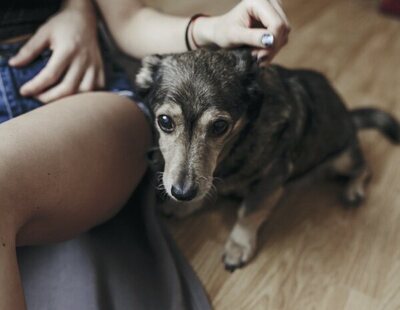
column 217, row 115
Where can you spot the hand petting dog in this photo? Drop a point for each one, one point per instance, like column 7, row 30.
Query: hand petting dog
column 261, row 24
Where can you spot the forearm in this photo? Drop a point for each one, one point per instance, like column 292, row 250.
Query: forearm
column 150, row 32
column 140, row 31
column 84, row 6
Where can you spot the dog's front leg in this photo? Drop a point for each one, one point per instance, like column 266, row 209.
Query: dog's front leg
column 242, row 241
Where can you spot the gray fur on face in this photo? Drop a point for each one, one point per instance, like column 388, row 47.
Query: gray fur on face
column 193, row 87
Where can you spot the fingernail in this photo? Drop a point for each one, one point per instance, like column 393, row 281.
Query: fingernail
column 267, row 40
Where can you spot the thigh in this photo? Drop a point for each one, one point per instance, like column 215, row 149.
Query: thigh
column 71, row 164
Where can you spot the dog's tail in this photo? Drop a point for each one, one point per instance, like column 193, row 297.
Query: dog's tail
column 369, row 118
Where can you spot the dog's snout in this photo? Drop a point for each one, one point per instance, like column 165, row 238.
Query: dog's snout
column 184, row 191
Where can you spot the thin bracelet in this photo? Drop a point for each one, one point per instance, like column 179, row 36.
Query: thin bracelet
column 192, row 20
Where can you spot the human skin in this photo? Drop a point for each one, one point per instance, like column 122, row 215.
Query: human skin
column 130, row 22
column 60, row 176
column 75, row 64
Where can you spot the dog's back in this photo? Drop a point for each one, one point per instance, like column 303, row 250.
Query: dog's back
column 324, row 125
column 301, row 122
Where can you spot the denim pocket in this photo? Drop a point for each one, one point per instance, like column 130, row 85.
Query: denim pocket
column 24, row 74
column 13, row 78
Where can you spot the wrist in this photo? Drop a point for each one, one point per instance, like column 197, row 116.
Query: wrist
column 203, row 31
column 84, row 6
column 83, row 12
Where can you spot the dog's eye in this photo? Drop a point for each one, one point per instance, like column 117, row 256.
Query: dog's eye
column 166, row 123
column 219, row 127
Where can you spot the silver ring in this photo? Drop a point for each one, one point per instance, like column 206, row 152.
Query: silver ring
column 267, row 40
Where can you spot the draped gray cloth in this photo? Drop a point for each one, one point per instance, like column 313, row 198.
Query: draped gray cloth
column 130, row 262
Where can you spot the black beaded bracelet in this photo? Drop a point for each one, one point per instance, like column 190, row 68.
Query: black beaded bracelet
column 191, row 20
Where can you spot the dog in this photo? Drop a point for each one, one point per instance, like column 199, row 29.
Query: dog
column 223, row 123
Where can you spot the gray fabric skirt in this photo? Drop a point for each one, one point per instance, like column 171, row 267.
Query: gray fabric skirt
column 130, row 262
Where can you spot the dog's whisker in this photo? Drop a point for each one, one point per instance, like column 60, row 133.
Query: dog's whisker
column 160, row 187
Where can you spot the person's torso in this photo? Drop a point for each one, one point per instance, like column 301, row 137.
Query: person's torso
column 20, row 17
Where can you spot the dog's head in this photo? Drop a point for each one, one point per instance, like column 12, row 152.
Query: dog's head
column 201, row 101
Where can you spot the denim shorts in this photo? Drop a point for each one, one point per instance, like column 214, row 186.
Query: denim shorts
column 13, row 104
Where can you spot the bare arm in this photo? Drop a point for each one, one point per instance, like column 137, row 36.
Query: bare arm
column 140, row 31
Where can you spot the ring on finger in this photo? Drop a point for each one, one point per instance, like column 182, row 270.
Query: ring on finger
column 267, row 40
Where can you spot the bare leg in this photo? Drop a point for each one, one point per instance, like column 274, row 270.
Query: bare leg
column 11, row 293
column 64, row 168
column 242, row 241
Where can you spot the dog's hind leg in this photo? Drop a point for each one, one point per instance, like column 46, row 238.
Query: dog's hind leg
column 352, row 165
column 242, row 241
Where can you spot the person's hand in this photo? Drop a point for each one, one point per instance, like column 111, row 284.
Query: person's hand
column 246, row 24
column 75, row 64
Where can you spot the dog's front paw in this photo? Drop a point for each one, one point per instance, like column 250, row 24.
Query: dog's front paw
column 237, row 253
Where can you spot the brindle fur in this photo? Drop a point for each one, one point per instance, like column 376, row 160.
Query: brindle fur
column 286, row 123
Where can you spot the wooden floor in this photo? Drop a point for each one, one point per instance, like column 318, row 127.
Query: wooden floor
column 313, row 254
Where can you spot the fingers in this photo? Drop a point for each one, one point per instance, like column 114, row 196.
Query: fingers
column 78, row 74
column 273, row 19
column 101, row 79
column 94, row 78
column 268, row 14
column 286, row 28
column 250, row 36
column 88, row 82
column 75, row 64
column 49, row 75
column 78, row 78
column 68, row 86
column 278, row 8
column 263, row 56
column 32, row 49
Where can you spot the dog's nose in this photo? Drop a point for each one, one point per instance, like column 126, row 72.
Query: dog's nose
column 184, row 192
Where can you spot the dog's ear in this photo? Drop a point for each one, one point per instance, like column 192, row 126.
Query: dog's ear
column 148, row 73
column 248, row 69
column 245, row 63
